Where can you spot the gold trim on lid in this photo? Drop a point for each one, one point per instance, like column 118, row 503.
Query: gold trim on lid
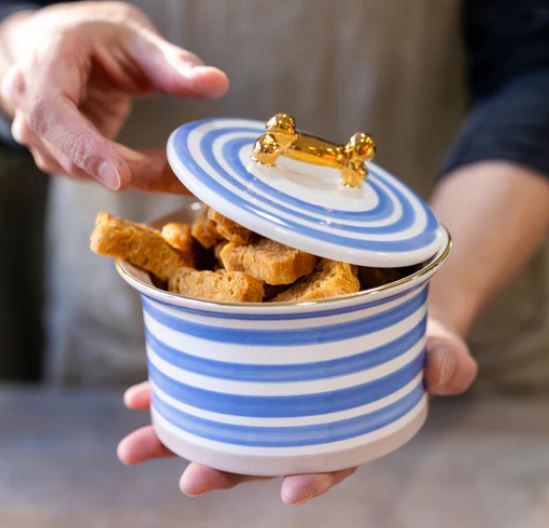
column 282, row 139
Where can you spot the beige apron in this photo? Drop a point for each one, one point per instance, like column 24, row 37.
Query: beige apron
column 392, row 68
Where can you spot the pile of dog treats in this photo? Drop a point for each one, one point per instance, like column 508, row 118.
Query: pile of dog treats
column 216, row 259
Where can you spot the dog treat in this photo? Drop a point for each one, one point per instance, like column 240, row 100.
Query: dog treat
column 220, row 285
column 140, row 245
column 204, row 231
column 217, row 251
column 179, row 237
column 268, row 261
column 328, row 280
column 230, row 230
column 216, row 259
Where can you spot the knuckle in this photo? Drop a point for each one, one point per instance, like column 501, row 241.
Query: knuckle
column 37, row 117
column 124, row 12
column 65, row 43
column 80, row 152
column 17, row 133
column 13, row 85
column 77, row 151
column 21, row 132
column 42, row 164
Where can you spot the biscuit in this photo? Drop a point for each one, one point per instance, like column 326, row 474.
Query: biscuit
column 268, row 261
column 230, row 230
column 217, row 251
column 220, row 285
column 204, row 231
column 140, row 245
column 179, row 237
column 330, row 279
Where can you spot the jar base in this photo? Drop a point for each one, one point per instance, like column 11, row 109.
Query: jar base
column 274, row 465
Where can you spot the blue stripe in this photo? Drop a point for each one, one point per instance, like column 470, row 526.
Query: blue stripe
column 289, row 436
column 259, row 316
column 293, row 337
column 413, row 243
column 284, row 373
column 288, row 406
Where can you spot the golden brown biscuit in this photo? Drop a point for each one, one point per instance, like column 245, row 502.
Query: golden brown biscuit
column 328, row 280
column 268, row 261
column 217, row 251
column 220, row 285
column 204, row 231
column 179, row 237
column 140, row 245
column 230, row 230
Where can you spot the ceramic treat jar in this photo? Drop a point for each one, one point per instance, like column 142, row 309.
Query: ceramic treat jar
column 282, row 388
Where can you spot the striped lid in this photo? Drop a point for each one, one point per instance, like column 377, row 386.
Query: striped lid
column 383, row 223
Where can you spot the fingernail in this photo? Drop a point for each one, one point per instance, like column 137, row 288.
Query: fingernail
column 188, row 69
column 109, row 175
column 448, row 369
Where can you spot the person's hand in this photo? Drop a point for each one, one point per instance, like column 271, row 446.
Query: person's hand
column 449, row 370
column 74, row 70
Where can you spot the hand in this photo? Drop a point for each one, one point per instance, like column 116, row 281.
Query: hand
column 450, row 369
column 69, row 87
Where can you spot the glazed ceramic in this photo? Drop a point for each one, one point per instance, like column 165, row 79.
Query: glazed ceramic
column 275, row 389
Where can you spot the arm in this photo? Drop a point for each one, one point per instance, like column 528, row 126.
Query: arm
column 489, row 199
column 494, row 197
column 498, row 214
column 69, row 72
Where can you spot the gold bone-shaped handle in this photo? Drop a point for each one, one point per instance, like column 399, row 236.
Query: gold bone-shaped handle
column 282, row 139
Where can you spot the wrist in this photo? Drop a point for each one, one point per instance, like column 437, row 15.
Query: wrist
column 457, row 314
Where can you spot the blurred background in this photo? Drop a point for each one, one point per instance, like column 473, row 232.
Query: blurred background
column 482, row 459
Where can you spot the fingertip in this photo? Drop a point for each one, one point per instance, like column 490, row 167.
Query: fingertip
column 129, row 397
column 198, row 479
column 298, row 489
column 190, row 483
column 291, row 497
column 123, row 453
column 206, row 82
column 449, row 372
column 213, row 82
column 465, row 376
column 137, row 396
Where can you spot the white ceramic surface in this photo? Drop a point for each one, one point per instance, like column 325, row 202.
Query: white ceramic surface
column 383, row 223
column 279, row 388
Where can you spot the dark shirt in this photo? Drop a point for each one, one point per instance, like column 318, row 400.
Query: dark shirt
column 507, row 44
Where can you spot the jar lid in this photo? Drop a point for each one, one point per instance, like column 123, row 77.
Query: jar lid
column 327, row 199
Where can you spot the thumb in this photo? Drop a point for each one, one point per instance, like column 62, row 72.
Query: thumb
column 173, row 70
column 450, row 369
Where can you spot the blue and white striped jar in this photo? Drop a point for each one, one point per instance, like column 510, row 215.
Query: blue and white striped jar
column 274, row 389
